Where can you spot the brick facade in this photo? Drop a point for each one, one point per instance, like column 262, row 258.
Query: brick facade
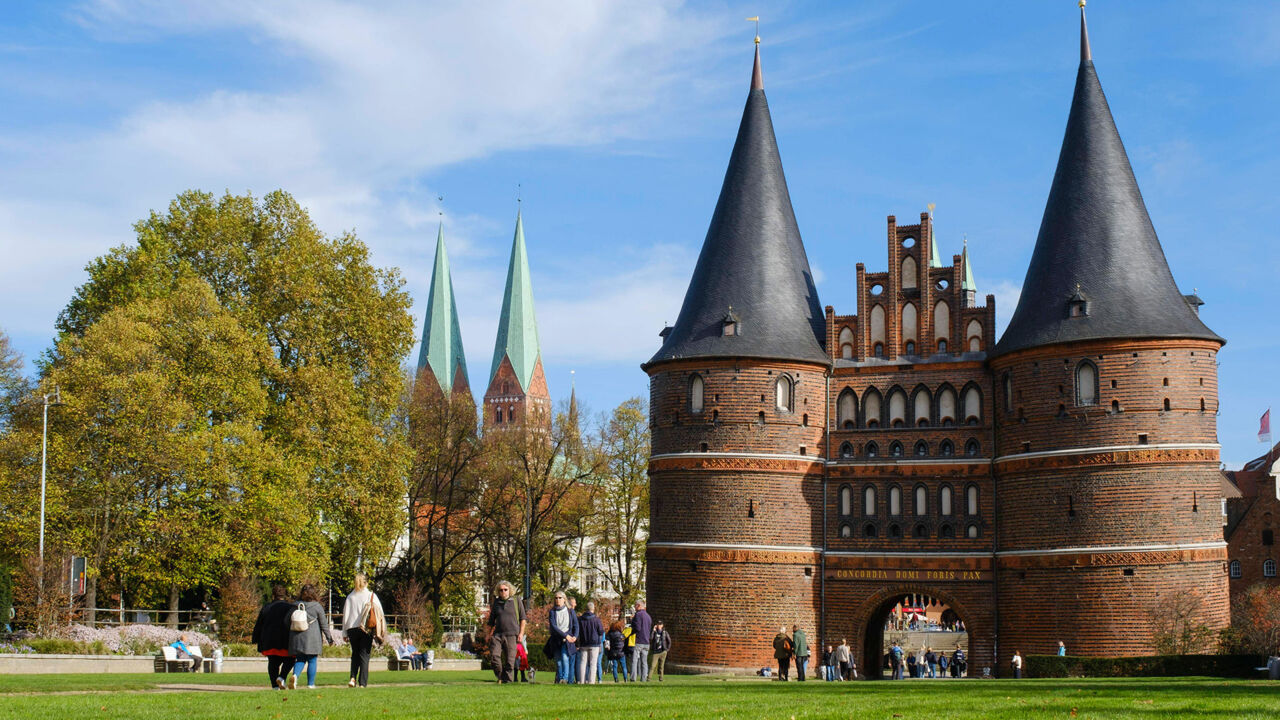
column 1253, row 521
column 996, row 485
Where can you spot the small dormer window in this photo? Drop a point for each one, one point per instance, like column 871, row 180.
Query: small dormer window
column 1077, row 304
column 729, row 325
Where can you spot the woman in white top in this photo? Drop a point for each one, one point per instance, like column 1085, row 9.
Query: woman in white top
column 362, row 621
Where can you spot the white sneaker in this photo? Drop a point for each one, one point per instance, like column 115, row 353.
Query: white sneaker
column 311, row 687
column 351, row 682
column 280, row 683
column 293, row 682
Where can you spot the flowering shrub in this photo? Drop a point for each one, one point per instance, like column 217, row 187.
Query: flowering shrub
column 127, row 639
column 9, row 649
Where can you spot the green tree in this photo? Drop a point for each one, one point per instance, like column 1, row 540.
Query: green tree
column 620, row 525
column 335, row 328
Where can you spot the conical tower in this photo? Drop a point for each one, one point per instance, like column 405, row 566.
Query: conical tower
column 441, row 356
column 517, row 392
column 738, row 404
column 1107, row 455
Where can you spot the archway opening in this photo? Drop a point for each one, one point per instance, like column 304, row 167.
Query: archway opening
column 923, row 627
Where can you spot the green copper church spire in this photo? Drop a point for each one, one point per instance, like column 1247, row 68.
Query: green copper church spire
column 967, row 284
column 517, row 326
column 935, row 259
column 441, row 337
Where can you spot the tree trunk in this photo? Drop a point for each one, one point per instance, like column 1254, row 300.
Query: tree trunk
column 173, row 607
column 90, row 599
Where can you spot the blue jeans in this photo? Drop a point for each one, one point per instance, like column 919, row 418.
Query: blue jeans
column 564, row 664
column 309, row 662
column 600, row 665
column 619, row 663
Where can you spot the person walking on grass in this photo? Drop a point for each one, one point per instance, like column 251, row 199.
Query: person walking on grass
column 308, row 631
column 506, row 626
column 843, row 660
column 617, row 652
column 271, row 635
column 800, row 646
column 564, row 635
column 642, row 626
column 590, row 635
column 659, row 645
column 362, row 622
column 782, row 649
column 1017, row 664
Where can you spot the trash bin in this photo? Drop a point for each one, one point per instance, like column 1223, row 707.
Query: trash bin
column 431, row 658
column 1273, row 667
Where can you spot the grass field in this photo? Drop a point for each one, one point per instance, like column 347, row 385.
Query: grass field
column 445, row 695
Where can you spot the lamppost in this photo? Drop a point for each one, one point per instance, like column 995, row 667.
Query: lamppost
column 44, row 462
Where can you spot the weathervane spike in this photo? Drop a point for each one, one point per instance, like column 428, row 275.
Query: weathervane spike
column 1086, row 54
column 756, row 20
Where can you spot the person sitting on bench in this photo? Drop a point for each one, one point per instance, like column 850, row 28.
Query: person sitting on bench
column 185, row 652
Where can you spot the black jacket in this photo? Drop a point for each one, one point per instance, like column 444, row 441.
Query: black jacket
column 590, row 630
column 271, row 631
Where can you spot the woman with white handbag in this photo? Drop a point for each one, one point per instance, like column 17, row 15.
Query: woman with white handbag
column 362, row 621
column 308, row 629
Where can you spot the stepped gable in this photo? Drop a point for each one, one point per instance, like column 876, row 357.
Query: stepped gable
column 753, row 268
column 1098, row 270
column 441, row 350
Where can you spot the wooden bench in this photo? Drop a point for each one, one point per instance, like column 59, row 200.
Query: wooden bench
column 395, row 663
column 167, row 660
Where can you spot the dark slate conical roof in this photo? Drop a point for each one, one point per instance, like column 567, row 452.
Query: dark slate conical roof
column 753, row 265
column 1097, row 239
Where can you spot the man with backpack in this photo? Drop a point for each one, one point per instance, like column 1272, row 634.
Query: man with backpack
column 506, row 626
column 659, row 644
column 896, row 661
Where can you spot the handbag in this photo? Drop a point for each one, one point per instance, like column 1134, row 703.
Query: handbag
column 298, row 619
column 549, row 648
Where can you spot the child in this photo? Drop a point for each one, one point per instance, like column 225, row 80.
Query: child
column 522, row 662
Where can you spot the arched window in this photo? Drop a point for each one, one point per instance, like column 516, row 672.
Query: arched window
column 921, row 531
column 922, row 501
column 871, row 408
column 846, row 530
column 846, row 450
column 942, row 324
column 909, row 348
column 846, row 500
column 1269, row 568
column 910, row 323
column 946, row 406
column 922, row 449
column 869, row 500
column 944, row 500
column 897, row 408
column 785, row 400
column 895, row 449
column 1006, row 382
column 878, row 350
column 877, row 325
column 971, row 499
column 972, row 406
column 971, row 448
column 946, row 449
column 895, row 500
column 1086, row 383
column 1235, row 569
column 847, row 410
column 695, row 394
column 973, row 336
column 909, row 273
column 895, row 531
column 873, row 450
column 869, row 530
column 846, row 343
column 971, row 531
column 920, row 407
column 498, row 416
column 946, row 531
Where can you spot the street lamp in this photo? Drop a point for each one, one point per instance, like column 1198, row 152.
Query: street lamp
column 44, row 461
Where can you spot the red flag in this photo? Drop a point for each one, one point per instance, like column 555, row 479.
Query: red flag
column 1264, row 429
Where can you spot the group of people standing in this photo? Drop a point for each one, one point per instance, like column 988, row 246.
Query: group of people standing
column 291, row 633
column 787, row 647
column 926, row 663
column 580, row 644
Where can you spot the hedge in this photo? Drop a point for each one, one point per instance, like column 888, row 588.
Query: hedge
column 1227, row 666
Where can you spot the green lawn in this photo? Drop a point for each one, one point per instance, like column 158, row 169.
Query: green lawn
column 443, row 694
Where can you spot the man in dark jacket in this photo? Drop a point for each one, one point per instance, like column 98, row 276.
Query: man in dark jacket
column 642, row 627
column 590, row 633
column 800, row 646
column 564, row 636
column 271, row 635
column 506, row 627
column 659, row 646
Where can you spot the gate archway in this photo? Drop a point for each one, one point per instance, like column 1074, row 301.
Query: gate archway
column 872, row 615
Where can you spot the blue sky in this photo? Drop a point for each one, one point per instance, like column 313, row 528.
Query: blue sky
column 616, row 119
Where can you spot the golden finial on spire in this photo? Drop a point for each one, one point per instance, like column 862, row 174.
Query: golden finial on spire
column 1081, row 3
column 931, row 206
column 756, row 20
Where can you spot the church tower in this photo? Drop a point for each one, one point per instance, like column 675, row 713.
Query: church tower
column 1106, row 395
column 441, row 357
column 517, row 391
column 737, row 406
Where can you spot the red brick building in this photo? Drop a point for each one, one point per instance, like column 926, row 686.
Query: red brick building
column 814, row 467
column 1253, row 513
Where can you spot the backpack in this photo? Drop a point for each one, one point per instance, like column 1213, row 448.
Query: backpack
column 298, row 621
